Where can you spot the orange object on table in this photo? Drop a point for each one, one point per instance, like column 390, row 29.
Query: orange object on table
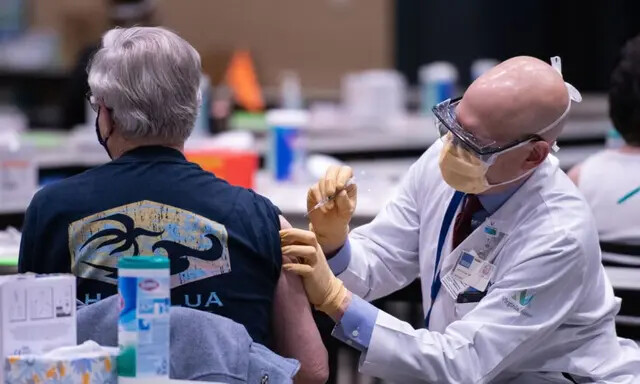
column 243, row 81
column 235, row 166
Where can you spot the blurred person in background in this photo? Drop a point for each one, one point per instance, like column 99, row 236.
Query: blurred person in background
column 222, row 240
column 121, row 13
column 610, row 180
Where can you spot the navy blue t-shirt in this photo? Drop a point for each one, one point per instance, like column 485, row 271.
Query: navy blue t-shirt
column 222, row 241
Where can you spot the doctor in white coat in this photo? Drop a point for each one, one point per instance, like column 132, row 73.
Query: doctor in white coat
column 506, row 249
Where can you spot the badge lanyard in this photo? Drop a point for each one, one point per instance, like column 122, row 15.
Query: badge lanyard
column 446, row 224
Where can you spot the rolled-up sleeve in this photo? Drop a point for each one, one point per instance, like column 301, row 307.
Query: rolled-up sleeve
column 356, row 326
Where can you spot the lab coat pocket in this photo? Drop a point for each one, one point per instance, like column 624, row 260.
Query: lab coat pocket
column 463, row 308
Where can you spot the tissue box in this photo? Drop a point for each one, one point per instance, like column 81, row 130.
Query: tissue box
column 38, row 314
column 85, row 364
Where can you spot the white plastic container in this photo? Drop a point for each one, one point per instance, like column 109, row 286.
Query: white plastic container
column 38, row 314
column 143, row 326
column 374, row 98
column 480, row 66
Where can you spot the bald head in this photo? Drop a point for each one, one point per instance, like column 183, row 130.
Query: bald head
column 518, row 97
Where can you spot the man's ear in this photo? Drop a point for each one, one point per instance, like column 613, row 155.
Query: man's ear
column 107, row 119
column 540, row 151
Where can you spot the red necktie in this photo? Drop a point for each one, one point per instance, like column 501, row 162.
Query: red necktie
column 462, row 225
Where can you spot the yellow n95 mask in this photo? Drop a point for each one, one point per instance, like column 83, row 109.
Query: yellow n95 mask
column 464, row 171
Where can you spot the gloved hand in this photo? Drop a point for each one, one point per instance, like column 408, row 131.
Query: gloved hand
column 331, row 222
column 325, row 291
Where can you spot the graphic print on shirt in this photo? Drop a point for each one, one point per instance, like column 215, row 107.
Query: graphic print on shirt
column 196, row 246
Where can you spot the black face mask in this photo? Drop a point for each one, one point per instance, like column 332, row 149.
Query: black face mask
column 102, row 141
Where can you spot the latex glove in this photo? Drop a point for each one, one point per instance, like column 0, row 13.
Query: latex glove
column 331, row 222
column 325, row 291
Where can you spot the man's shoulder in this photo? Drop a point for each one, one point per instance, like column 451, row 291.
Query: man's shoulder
column 430, row 155
column 249, row 200
column 557, row 219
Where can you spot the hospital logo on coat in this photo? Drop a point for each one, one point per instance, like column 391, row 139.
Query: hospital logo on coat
column 196, row 246
column 519, row 301
column 522, row 298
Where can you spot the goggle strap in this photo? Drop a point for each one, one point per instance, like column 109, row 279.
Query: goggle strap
column 556, row 63
column 556, row 121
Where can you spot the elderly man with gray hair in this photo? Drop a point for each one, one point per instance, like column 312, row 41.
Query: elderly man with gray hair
column 222, row 241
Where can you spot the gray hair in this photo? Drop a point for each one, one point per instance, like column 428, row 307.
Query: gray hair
column 149, row 78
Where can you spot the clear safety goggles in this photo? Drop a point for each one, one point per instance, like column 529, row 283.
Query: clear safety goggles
column 486, row 148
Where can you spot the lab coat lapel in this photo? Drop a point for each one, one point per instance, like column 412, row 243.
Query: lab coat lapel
column 504, row 220
column 511, row 212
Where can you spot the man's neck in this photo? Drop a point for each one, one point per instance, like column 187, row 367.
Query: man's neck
column 125, row 146
column 507, row 187
column 630, row 149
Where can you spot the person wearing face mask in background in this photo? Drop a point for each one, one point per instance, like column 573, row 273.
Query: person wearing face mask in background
column 222, row 241
column 505, row 247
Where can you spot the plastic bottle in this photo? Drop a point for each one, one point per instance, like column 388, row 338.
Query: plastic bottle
column 438, row 82
column 291, row 91
column 288, row 150
column 480, row 66
column 201, row 125
column 143, row 326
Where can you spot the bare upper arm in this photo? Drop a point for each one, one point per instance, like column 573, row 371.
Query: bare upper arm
column 295, row 331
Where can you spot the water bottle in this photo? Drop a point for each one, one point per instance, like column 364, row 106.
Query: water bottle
column 291, row 91
column 480, row 66
column 288, row 152
column 143, row 325
column 201, row 125
column 438, row 82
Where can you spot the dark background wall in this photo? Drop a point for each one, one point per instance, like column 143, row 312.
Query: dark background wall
column 587, row 35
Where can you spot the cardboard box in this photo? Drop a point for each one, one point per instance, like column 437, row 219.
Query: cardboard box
column 38, row 314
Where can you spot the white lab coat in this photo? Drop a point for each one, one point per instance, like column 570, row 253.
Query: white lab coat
column 551, row 251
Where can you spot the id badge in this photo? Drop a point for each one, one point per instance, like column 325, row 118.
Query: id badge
column 480, row 278
column 453, row 286
column 471, row 270
column 467, row 263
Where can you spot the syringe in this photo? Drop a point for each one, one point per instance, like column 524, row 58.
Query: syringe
column 327, row 199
